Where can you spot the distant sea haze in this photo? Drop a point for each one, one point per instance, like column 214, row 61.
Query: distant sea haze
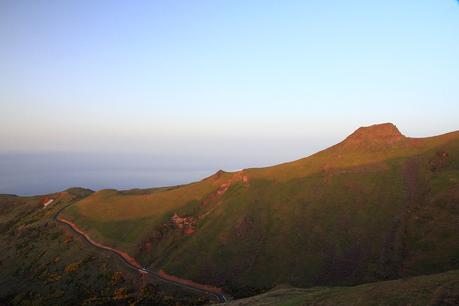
column 41, row 173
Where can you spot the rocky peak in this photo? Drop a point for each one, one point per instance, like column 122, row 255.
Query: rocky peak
column 385, row 133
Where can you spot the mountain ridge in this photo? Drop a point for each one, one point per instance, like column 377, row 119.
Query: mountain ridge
column 373, row 207
column 385, row 132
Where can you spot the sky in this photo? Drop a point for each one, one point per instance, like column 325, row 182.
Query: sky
column 141, row 93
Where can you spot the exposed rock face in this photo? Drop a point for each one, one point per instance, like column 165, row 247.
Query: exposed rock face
column 187, row 224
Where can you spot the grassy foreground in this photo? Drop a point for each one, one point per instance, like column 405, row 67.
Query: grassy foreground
column 436, row 289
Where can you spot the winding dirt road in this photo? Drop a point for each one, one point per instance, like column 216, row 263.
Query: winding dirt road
column 131, row 263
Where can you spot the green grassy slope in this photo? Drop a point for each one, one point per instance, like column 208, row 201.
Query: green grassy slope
column 121, row 218
column 376, row 206
column 42, row 263
column 436, row 289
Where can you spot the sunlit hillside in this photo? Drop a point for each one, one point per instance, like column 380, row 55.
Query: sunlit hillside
column 376, row 206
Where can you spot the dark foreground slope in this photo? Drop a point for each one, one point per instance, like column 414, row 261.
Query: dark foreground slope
column 433, row 290
column 44, row 263
column 377, row 206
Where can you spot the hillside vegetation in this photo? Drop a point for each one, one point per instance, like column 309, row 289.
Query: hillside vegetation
column 436, row 289
column 43, row 263
column 376, row 206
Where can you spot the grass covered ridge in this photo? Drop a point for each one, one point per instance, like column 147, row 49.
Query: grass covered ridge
column 377, row 206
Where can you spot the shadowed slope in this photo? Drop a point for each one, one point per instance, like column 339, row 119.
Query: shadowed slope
column 436, row 289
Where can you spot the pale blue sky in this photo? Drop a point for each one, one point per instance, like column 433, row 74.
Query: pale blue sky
column 255, row 81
